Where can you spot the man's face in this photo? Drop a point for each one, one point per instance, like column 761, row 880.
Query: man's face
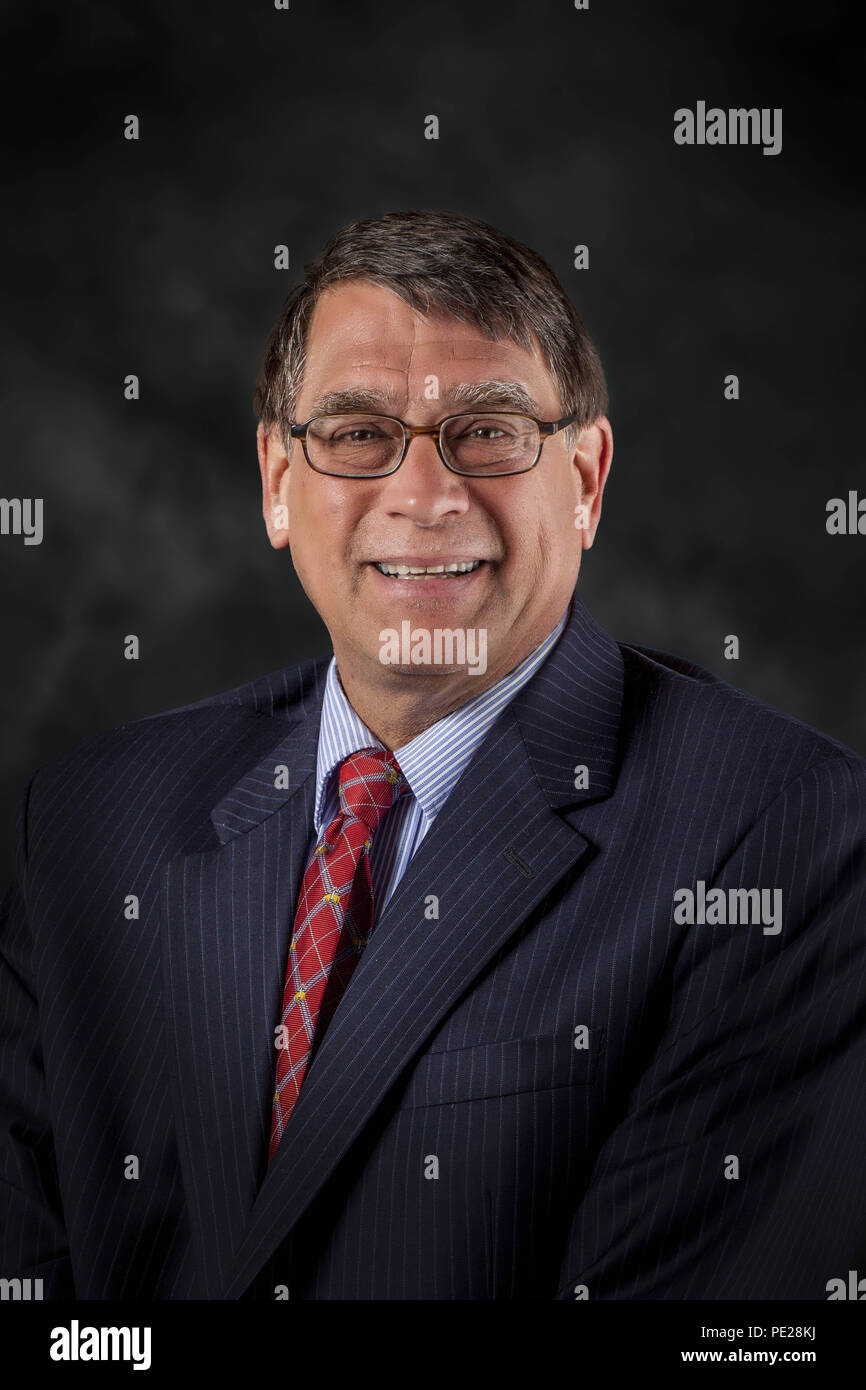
column 521, row 527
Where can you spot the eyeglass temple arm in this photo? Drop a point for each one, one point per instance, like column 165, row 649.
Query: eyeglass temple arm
column 553, row 426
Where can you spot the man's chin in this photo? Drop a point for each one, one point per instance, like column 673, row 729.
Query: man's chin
column 430, row 671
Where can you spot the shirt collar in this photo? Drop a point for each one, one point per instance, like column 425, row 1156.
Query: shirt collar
column 433, row 762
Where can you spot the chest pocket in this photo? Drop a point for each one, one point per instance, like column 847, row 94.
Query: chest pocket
column 502, row 1069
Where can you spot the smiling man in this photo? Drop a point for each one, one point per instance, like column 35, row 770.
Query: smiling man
column 408, row 974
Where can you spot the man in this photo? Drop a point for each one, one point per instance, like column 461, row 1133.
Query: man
column 504, row 963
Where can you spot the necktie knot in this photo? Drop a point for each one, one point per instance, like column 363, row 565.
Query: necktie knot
column 370, row 782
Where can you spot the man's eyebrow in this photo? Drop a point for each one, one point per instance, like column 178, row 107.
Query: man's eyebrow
column 354, row 398
column 510, row 395
column 504, row 395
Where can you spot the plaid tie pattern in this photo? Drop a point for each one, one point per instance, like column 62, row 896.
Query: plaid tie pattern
column 333, row 921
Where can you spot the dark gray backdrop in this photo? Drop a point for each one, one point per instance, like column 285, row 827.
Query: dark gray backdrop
column 260, row 127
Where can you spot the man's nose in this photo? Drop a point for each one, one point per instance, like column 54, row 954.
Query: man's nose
column 422, row 484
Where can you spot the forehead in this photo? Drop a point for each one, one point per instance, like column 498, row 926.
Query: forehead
column 363, row 334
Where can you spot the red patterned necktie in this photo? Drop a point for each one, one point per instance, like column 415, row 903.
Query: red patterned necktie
column 333, row 921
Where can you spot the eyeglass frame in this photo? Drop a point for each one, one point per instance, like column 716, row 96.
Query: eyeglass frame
column 546, row 428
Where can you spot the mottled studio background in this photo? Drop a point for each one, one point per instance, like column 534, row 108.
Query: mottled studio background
column 260, row 127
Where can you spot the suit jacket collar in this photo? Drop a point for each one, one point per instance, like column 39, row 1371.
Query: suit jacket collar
column 573, row 701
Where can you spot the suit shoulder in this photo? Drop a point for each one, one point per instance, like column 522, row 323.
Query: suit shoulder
column 175, row 743
column 720, row 726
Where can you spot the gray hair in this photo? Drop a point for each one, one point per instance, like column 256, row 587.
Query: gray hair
column 440, row 263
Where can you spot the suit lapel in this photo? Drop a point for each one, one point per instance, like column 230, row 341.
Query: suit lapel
column 226, row 917
column 497, row 848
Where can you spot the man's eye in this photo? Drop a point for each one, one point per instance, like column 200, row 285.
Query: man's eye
column 483, row 432
column 357, row 436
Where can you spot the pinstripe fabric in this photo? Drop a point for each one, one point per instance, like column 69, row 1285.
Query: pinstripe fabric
column 450, row 1141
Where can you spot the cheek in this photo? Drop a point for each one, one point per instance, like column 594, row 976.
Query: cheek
column 322, row 524
column 559, row 514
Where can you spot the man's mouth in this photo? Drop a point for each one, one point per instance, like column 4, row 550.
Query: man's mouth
column 446, row 569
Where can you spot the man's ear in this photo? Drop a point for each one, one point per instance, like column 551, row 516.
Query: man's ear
column 593, row 455
column 273, row 463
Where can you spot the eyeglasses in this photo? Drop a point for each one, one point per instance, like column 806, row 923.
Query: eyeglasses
column 477, row 445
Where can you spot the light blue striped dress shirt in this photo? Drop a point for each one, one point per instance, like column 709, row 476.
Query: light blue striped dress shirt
column 431, row 763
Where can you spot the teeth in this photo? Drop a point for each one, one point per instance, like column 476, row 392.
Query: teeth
column 412, row 571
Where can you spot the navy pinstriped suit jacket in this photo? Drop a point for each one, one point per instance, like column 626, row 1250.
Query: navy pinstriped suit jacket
column 450, row 1140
